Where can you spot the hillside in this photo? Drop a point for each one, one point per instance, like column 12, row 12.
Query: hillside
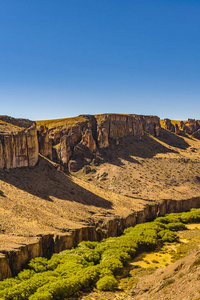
column 47, row 208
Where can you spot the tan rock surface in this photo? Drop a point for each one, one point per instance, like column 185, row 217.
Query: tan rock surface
column 18, row 147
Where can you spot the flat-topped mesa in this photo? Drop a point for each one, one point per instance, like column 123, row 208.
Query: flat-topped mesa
column 18, row 147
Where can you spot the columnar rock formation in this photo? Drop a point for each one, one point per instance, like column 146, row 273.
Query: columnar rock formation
column 45, row 144
column 83, row 139
column 18, row 147
column 169, row 126
column 191, row 126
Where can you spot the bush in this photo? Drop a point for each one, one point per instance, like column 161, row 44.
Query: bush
column 41, row 296
column 176, row 226
column 168, row 236
column 107, row 283
column 38, row 264
column 91, row 262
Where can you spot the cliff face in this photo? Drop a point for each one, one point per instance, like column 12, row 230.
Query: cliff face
column 19, row 149
column 191, row 126
column 80, row 139
column 84, row 139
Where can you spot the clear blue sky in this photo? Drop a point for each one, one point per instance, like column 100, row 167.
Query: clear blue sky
column 61, row 58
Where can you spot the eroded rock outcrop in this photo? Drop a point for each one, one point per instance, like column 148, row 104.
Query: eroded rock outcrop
column 19, row 148
column 45, row 144
column 168, row 125
column 192, row 126
column 115, row 126
column 81, row 139
column 177, row 130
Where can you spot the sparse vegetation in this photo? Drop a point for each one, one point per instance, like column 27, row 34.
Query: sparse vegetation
column 92, row 263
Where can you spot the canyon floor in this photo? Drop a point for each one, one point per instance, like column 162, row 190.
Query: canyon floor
column 171, row 272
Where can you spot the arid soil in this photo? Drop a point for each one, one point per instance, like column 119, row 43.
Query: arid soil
column 135, row 173
column 150, row 169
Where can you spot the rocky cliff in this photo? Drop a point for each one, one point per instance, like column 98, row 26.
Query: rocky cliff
column 18, row 147
column 191, row 126
column 78, row 141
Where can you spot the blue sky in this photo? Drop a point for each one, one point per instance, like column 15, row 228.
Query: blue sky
column 62, row 58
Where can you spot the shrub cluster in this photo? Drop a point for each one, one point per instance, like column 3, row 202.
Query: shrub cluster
column 92, row 263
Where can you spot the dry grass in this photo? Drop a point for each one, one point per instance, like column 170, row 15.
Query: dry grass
column 173, row 122
column 64, row 121
column 7, row 128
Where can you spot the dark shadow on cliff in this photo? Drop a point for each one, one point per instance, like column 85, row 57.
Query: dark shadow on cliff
column 45, row 181
column 172, row 139
column 145, row 147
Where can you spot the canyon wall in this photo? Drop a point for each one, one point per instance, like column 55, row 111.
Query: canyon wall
column 19, row 149
column 191, row 126
column 73, row 144
column 77, row 144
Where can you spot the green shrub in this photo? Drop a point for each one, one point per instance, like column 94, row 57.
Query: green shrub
column 168, row 236
column 176, row 226
column 26, row 274
column 114, row 265
column 38, row 264
column 45, row 295
column 107, row 283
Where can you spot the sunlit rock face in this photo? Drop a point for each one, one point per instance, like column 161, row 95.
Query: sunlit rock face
column 18, row 146
column 116, row 126
column 81, row 139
